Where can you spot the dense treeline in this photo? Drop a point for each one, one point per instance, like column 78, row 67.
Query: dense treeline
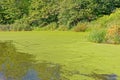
column 28, row 14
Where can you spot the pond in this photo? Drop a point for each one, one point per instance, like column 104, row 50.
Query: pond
column 16, row 65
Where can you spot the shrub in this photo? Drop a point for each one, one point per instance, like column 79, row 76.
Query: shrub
column 63, row 28
column 110, row 35
column 97, row 36
column 117, row 39
column 107, row 20
column 21, row 25
column 51, row 27
column 113, row 35
column 5, row 27
column 81, row 27
column 112, row 25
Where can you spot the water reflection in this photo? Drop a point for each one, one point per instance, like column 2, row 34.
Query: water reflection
column 16, row 65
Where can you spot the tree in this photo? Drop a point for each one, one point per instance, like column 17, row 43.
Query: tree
column 43, row 12
column 74, row 11
column 10, row 10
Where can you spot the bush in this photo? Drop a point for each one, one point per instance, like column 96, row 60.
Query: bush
column 112, row 25
column 81, row 27
column 5, row 27
column 51, row 27
column 113, row 35
column 63, row 28
column 110, row 35
column 21, row 25
column 107, row 20
column 98, row 36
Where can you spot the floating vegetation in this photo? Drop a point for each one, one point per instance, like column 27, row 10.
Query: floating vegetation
column 16, row 65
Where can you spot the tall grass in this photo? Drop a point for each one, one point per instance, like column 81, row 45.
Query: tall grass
column 97, row 36
column 80, row 27
column 106, row 29
column 50, row 27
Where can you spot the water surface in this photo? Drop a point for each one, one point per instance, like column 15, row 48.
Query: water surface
column 15, row 65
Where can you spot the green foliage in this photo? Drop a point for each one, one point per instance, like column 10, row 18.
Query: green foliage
column 117, row 39
column 63, row 12
column 8, row 11
column 11, row 10
column 51, row 27
column 5, row 27
column 81, row 27
column 21, row 25
column 72, row 12
column 97, row 36
column 43, row 12
column 110, row 24
column 63, row 28
column 109, row 35
column 104, row 7
column 107, row 21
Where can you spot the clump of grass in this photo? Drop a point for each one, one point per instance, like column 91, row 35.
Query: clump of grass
column 5, row 27
column 21, row 25
column 63, row 28
column 50, row 27
column 81, row 27
column 98, row 36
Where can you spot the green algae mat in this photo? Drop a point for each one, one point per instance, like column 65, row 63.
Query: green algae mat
column 69, row 54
